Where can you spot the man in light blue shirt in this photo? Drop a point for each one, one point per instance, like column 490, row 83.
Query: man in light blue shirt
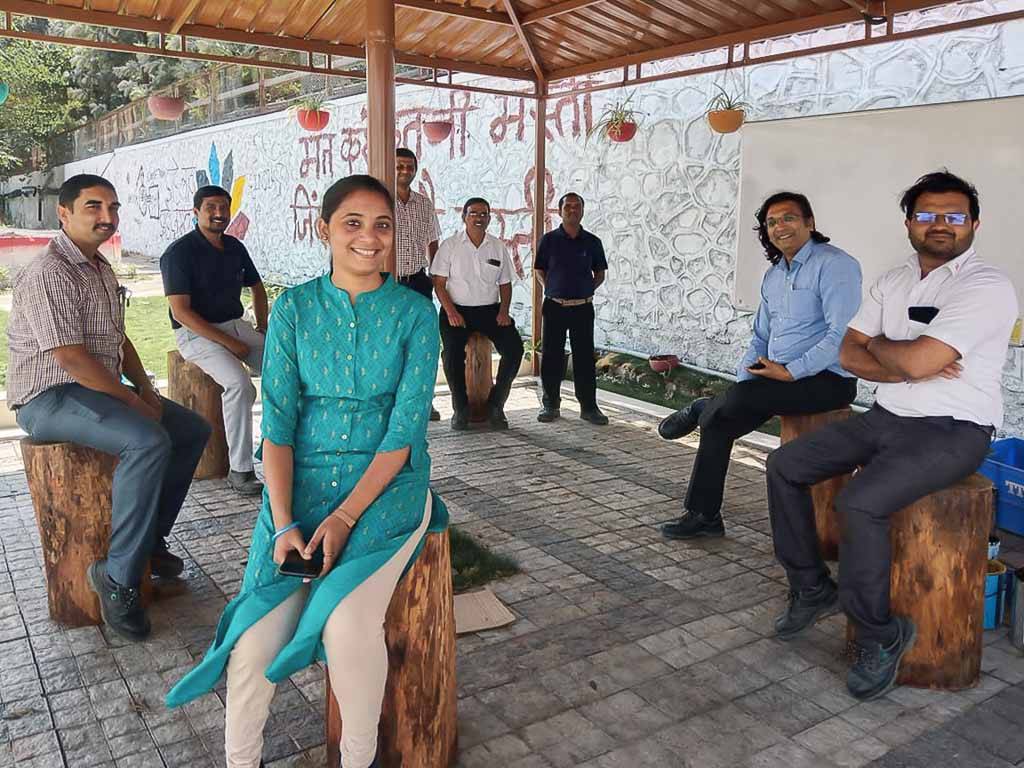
column 808, row 297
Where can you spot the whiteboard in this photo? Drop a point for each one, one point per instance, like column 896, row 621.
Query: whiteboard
column 854, row 168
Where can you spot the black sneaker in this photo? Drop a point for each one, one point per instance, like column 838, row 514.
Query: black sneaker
column 548, row 414
column 805, row 607
column 694, row 526
column 594, row 416
column 435, row 415
column 460, row 421
column 682, row 422
column 496, row 418
column 119, row 606
column 874, row 669
column 164, row 564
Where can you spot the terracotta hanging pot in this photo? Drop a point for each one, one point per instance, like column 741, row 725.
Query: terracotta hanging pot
column 663, row 363
column 313, row 119
column 625, row 132
column 166, row 107
column 726, row 120
column 437, row 130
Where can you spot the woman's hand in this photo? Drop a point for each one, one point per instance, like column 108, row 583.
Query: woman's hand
column 288, row 541
column 333, row 533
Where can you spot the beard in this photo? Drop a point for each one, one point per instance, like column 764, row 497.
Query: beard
column 944, row 248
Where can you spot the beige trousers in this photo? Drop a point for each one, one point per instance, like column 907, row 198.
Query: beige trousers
column 357, row 662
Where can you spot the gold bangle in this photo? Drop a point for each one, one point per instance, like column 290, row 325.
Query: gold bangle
column 344, row 517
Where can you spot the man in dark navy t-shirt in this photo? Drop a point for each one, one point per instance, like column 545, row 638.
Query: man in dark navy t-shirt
column 570, row 263
column 204, row 273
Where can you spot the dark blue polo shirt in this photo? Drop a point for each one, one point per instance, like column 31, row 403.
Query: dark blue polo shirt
column 569, row 263
column 213, row 279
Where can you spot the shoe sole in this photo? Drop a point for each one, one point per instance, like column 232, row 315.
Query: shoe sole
column 824, row 612
column 103, row 614
column 891, row 682
column 698, row 535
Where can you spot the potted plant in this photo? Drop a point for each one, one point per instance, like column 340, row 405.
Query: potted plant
column 310, row 113
column 618, row 122
column 437, row 131
column 663, row 363
column 725, row 112
column 164, row 107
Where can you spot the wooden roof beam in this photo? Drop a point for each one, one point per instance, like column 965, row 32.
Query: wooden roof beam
column 567, row 6
column 184, row 15
column 460, row 11
column 456, row 65
column 531, row 54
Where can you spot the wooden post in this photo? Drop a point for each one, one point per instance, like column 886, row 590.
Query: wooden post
column 71, row 486
column 189, row 386
column 479, row 376
column 539, row 211
column 826, row 517
column 380, row 95
column 939, row 563
column 418, row 726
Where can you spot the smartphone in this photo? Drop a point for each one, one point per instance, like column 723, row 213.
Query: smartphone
column 922, row 314
column 757, row 366
column 295, row 565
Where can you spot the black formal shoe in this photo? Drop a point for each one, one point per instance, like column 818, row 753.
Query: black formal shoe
column 496, row 418
column 874, row 669
column 548, row 414
column 164, row 564
column 684, row 421
column 805, row 607
column 594, row 416
column 435, row 415
column 694, row 526
column 460, row 421
column 119, row 606
column 246, row 483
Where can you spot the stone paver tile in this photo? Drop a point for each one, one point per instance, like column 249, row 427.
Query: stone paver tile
column 790, row 713
column 568, row 739
column 625, row 716
column 828, row 736
column 498, row 751
column 519, row 704
column 630, row 664
column 859, row 752
column 787, row 755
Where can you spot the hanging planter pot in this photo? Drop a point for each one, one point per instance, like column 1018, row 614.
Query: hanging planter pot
column 5, row 91
column 166, row 107
column 618, row 122
column 437, row 131
column 726, row 120
column 663, row 363
column 624, row 131
column 314, row 120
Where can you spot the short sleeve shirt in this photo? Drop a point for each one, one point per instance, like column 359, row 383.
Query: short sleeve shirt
column 974, row 306
column 416, row 227
column 474, row 274
column 569, row 263
column 212, row 279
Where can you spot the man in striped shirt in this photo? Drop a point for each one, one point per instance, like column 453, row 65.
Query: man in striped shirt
column 69, row 356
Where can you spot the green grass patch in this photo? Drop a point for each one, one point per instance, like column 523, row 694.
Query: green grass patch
column 149, row 328
column 473, row 564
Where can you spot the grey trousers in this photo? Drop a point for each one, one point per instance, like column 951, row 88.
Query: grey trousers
column 901, row 459
column 154, row 471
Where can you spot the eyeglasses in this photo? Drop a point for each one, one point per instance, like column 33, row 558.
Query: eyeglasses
column 478, row 214
column 927, row 217
column 789, row 218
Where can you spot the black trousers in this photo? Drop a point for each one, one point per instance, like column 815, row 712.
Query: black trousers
column 740, row 410
column 506, row 340
column 578, row 322
column 419, row 282
column 901, row 460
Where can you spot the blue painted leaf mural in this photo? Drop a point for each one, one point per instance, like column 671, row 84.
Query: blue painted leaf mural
column 214, row 165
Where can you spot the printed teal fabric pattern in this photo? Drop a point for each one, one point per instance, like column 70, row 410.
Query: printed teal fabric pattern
column 341, row 383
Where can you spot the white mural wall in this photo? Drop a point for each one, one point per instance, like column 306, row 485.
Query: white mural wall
column 664, row 204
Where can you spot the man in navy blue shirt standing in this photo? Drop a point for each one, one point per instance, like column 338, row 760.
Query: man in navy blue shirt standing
column 204, row 273
column 570, row 264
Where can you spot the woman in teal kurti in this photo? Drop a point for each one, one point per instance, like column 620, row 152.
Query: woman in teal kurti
column 348, row 379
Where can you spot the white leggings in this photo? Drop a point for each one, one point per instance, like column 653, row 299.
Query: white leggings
column 357, row 661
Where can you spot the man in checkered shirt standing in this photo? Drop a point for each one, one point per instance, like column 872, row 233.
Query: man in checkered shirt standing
column 416, row 232
column 69, row 357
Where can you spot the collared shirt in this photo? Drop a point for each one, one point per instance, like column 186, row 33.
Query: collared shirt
column 569, row 263
column 416, row 227
column 61, row 299
column 804, row 311
column 212, row 279
column 977, row 307
column 474, row 274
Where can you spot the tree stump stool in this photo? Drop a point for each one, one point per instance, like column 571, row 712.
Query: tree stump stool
column 189, row 386
column 479, row 376
column 826, row 517
column 70, row 486
column 939, row 563
column 418, row 725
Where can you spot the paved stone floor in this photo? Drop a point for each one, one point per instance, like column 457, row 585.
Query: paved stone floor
column 628, row 650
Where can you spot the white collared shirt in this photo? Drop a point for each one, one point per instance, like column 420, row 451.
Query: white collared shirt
column 474, row 274
column 977, row 307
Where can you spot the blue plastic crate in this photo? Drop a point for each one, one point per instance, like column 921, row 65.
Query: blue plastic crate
column 1005, row 468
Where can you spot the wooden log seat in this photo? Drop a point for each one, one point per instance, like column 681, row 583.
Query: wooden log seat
column 189, row 386
column 70, row 486
column 826, row 518
column 479, row 376
column 418, row 722
column 939, row 563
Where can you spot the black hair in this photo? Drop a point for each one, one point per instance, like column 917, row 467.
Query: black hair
column 407, row 153
column 577, row 195
column 72, row 188
column 475, row 201
column 772, row 253
column 342, row 188
column 210, row 190
column 938, row 182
